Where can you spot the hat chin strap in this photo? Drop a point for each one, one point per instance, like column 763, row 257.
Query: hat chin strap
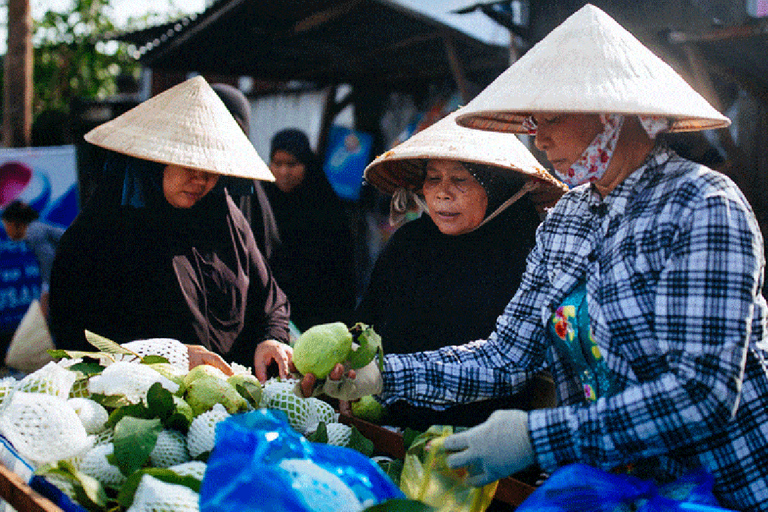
column 528, row 186
column 402, row 201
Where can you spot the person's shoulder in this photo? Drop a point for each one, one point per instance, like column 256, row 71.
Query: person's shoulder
column 414, row 230
column 691, row 179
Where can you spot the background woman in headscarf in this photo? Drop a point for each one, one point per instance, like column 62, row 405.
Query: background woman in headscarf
column 314, row 264
column 156, row 253
column 445, row 277
column 248, row 194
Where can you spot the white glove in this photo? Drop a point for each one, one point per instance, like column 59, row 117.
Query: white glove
column 494, row 449
column 367, row 381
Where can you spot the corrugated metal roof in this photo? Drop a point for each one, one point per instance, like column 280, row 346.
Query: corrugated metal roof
column 323, row 41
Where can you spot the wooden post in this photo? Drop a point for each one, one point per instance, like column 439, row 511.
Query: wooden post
column 17, row 97
column 456, row 68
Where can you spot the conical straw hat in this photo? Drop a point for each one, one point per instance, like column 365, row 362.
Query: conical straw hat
column 186, row 125
column 589, row 64
column 403, row 165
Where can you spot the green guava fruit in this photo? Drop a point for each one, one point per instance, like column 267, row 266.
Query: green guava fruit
column 202, row 370
column 206, row 391
column 251, row 387
column 368, row 409
column 321, row 347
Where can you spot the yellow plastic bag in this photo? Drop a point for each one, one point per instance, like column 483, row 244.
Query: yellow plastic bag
column 427, row 478
column 31, row 341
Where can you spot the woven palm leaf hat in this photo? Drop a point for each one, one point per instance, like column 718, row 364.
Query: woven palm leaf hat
column 589, row 64
column 187, row 125
column 403, row 165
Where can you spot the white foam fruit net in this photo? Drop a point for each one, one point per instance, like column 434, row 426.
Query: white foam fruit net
column 298, row 410
column 319, row 410
column 173, row 350
column 96, row 465
column 153, row 495
column 201, row 436
column 43, row 428
column 51, row 379
column 92, row 414
column 170, row 449
column 338, row 434
column 130, row 380
column 193, row 468
column 321, row 490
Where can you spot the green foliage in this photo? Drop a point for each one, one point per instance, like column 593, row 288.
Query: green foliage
column 128, row 489
column 89, row 491
column 74, row 57
column 400, row 505
column 135, row 438
column 357, row 442
column 369, row 346
column 71, row 60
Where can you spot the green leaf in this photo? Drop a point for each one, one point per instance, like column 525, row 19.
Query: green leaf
column 320, row 435
column 134, row 440
column 410, row 435
column 393, row 468
column 160, row 401
column 152, row 359
column 59, row 354
column 87, row 368
column 133, row 410
column 77, row 354
column 400, row 505
column 106, row 345
column 89, row 491
column 177, row 421
column 360, row 443
column 250, row 391
column 110, row 401
column 369, row 346
column 128, row 489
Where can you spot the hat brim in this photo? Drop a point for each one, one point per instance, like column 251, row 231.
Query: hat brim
column 187, row 125
column 403, row 165
column 590, row 64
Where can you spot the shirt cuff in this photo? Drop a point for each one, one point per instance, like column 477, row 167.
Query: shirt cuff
column 552, row 437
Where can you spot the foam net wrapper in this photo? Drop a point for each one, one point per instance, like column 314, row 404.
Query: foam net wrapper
column 201, row 436
column 92, row 414
column 173, row 350
column 130, row 380
column 153, row 495
column 51, row 379
column 170, row 449
column 321, row 490
column 95, row 464
column 193, row 468
column 43, row 428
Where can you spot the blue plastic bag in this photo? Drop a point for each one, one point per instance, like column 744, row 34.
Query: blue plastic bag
column 582, row 488
column 259, row 463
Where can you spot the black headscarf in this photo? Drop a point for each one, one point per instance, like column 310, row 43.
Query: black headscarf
column 132, row 266
column 315, row 263
column 249, row 194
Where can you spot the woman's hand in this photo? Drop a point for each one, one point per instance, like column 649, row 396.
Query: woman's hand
column 198, row 355
column 349, row 385
column 272, row 350
column 310, row 385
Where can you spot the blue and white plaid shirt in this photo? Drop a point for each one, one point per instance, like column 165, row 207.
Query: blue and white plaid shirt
column 673, row 260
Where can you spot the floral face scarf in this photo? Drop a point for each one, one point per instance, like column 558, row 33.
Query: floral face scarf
column 595, row 159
